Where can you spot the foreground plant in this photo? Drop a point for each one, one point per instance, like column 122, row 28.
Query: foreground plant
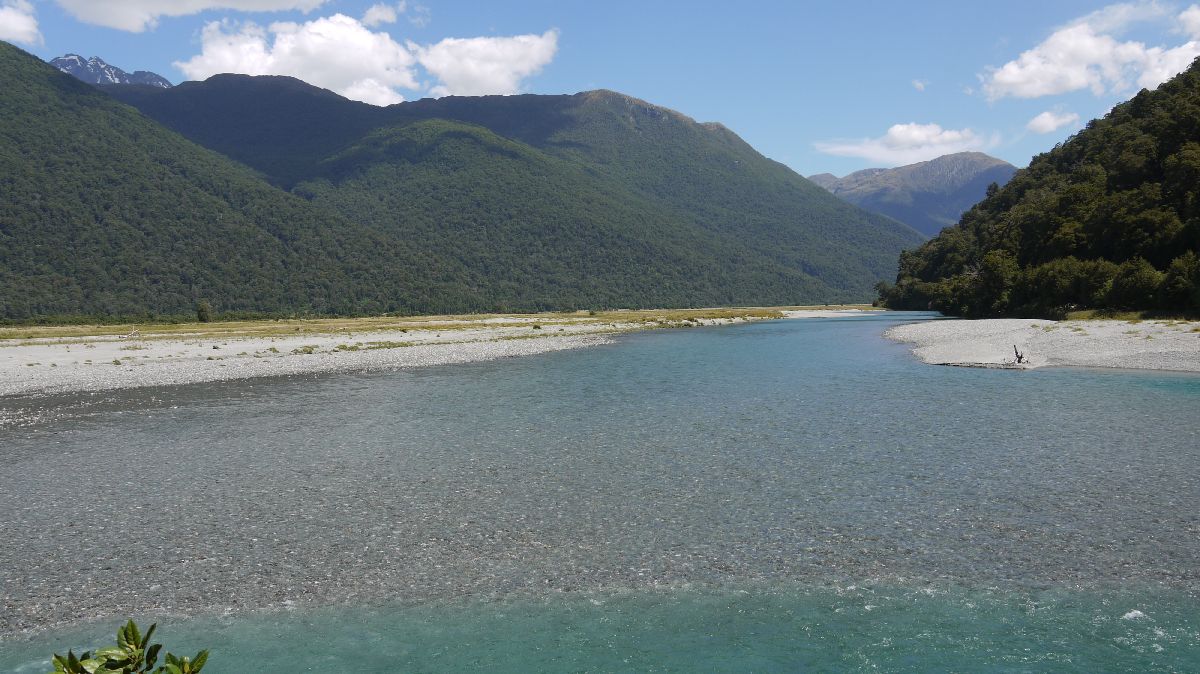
column 133, row 654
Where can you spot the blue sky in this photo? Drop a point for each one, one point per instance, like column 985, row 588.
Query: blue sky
column 822, row 87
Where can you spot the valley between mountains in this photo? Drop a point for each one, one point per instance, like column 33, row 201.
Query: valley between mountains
column 264, row 195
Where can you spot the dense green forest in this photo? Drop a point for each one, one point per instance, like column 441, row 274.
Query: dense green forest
column 105, row 213
column 549, row 201
column 505, row 217
column 1110, row 219
column 304, row 202
column 703, row 175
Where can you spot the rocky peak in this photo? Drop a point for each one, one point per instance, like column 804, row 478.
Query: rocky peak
column 95, row 71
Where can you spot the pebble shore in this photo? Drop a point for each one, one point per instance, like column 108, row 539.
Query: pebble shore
column 104, row 363
column 1144, row 345
column 106, row 376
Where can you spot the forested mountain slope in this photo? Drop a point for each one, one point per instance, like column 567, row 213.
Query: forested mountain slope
column 928, row 196
column 594, row 179
column 104, row 212
column 1109, row 219
column 278, row 125
column 475, row 204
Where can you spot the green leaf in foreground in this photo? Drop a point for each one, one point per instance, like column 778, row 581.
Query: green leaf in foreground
column 133, row 654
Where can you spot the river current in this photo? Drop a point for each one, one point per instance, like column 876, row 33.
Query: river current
column 779, row 496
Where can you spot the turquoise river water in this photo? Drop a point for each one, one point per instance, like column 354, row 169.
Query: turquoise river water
column 796, row 495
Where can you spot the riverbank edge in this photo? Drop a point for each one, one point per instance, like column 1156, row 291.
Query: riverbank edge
column 1168, row 345
column 66, row 359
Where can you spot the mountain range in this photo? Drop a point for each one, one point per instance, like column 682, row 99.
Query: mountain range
column 96, row 71
column 928, row 196
column 268, row 195
column 104, row 213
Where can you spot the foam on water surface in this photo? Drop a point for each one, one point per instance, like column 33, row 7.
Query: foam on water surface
column 749, row 628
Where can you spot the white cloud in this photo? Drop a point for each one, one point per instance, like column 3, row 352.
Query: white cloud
column 1118, row 17
column 486, row 65
column 919, row 85
column 418, row 15
column 908, row 144
column 1051, row 120
column 336, row 53
column 1163, row 64
column 380, row 14
column 18, row 22
column 343, row 54
column 1086, row 54
column 138, row 15
column 1189, row 21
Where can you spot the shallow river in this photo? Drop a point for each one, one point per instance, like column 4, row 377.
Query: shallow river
column 787, row 495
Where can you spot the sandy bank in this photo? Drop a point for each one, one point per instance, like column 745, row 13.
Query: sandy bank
column 1149, row 345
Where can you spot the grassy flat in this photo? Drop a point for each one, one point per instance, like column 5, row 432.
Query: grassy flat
column 291, row 327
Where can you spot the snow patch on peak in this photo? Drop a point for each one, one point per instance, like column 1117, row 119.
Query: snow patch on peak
column 96, row 71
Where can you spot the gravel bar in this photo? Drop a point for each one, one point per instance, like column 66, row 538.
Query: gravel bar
column 1145, row 345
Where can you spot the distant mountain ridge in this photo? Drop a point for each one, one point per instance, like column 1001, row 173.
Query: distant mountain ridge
column 929, row 195
column 548, row 173
column 96, row 71
column 305, row 202
column 826, row 180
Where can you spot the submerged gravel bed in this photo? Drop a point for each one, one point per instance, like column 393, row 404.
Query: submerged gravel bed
column 790, row 451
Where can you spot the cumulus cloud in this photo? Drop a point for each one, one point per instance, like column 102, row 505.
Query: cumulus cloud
column 1051, row 120
column 138, row 15
column 1087, row 54
column 1118, row 17
column 380, row 14
column 337, row 53
column 486, row 65
column 18, row 22
column 908, row 144
column 1189, row 21
column 345, row 55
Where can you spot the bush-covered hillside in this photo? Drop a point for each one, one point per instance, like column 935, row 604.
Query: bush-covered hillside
column 526, row 203
column 525, row 227
column 702, row 175
column 545, row 201
column 105, row 213
column 1110, row 219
